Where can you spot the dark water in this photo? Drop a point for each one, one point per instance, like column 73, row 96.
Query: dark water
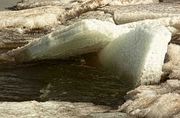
column 66, row 82
column 7, row 3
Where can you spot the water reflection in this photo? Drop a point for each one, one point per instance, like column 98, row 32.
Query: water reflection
column 67, row 82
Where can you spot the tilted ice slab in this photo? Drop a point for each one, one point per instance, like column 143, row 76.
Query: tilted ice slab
column 136, row 53
column 138, row 56
column 83, row 37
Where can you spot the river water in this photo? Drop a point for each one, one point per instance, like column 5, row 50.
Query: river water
column 67, row 83
column 7, row 3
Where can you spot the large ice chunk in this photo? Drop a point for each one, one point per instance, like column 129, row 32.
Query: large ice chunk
column 139, row 54
column 136, row 54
